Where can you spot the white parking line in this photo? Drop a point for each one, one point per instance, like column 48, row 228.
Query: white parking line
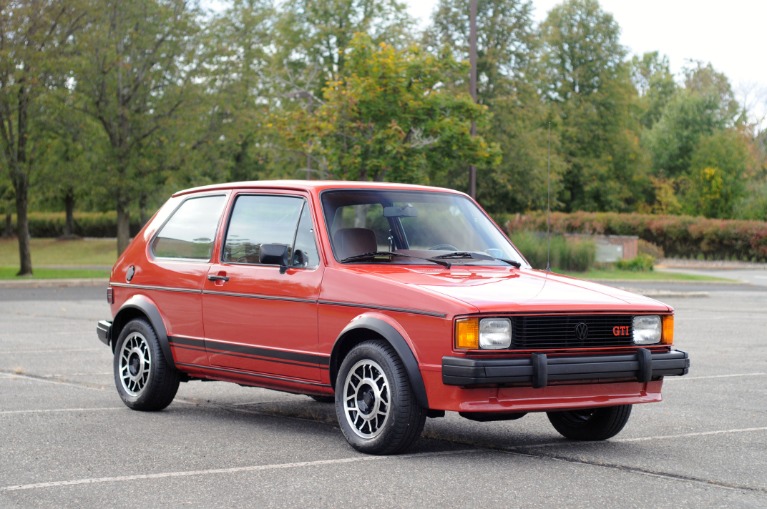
column 233, row 470
column 690, row 435
column 54, row 382
column 641, row 439
column 51, row 350
column 55, row 410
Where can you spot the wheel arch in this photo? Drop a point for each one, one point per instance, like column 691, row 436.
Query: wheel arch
column 139, row 306
column 361, row 329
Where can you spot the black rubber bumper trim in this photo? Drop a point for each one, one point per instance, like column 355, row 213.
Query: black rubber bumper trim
column 104, row 331
column 539, row 369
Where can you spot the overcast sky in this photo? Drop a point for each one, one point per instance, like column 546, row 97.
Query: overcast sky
column 731, row 35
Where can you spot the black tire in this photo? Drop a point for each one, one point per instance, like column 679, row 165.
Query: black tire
column 376, row 408
column 144, row 379
column 591, row 423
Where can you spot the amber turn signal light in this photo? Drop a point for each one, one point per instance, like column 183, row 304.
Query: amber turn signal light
column 668, row 330
column 467, row 334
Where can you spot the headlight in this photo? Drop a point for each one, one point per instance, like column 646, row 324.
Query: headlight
column 487, row 333
column 494, row 333
column 647, row 330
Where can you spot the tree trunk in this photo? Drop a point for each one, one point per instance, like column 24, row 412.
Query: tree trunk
column 22, row 224
column 8, row 231
column 123, row 225
column 69, row 207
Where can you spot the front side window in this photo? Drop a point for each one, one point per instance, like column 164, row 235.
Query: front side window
column 191, row 229
column 258, row 220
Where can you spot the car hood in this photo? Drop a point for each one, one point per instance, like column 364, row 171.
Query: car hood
column 496, row 289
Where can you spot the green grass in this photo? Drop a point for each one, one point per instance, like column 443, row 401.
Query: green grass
column 626, row 275
column 7, row 273
column 61, row 253
column 60, row 259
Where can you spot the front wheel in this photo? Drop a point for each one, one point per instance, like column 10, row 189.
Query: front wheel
column 143, row 377
column 591, row 423
column 376, row 408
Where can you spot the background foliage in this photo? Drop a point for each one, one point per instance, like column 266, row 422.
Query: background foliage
column 108, row 105
column 677, row 236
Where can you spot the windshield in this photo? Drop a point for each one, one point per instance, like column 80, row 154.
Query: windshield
column 414, row 224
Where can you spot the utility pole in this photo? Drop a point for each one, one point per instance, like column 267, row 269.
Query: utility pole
column 473, row 85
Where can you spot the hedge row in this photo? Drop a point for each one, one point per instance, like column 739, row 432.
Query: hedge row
column 678, row 236
column 87, row 224
column 569, row 255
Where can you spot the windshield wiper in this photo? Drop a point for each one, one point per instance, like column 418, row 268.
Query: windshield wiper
column 380, row 255
column 462, row 255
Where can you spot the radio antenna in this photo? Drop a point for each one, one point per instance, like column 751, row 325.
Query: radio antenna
column 548, row 202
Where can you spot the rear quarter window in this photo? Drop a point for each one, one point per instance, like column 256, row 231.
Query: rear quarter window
column 191, row 229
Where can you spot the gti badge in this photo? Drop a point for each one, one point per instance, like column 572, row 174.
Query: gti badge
column 621, row 330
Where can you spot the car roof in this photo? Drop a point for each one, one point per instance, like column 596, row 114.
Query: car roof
column 314, row 186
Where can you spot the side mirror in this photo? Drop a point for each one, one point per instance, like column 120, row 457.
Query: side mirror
column 274, row 254
column 300, row 259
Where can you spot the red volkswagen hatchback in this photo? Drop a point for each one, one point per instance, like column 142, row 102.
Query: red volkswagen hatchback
column 399, row 302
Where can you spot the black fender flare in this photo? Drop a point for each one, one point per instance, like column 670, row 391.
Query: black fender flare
column 350, row 336
column 140, row 304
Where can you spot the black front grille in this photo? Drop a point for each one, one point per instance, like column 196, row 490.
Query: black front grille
column 532, row 332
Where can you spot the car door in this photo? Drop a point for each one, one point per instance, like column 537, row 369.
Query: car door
column 173, row 276
column 261, row 317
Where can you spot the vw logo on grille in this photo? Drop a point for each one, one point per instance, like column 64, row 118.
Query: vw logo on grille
column 581, row 331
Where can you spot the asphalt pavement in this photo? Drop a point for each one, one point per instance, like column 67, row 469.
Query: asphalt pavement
column 68, row 441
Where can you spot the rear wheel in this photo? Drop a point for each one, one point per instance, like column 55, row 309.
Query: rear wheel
column 591, row 423
column 144, row 379
column 376, row 408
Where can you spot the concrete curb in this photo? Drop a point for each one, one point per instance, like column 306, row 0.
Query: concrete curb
column 53, row 283
column 665, row 294
column 679, row 263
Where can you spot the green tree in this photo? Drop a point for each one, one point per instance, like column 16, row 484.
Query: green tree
column 312, row 49
column 35, row 38
column 715, row 183
column 674, row 137
column 698, row 145
column 653, row 79
column 705, row 81
column 314, row 37
column 588, row 83
column 239, row 89
column 389, row 118
column 581, row 50
column 506, row 42
column 706, row 105
column 66, row 170
column 137, row 64
column 507, row 49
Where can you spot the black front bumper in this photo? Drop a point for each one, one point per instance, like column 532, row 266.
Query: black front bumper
column 538, row 370
column 104, row 331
